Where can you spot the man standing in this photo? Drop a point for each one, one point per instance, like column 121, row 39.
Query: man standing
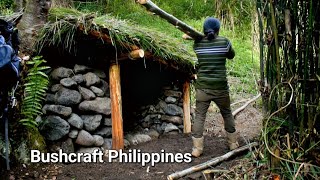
column 211, row 83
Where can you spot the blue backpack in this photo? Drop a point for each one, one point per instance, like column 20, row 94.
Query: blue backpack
column 9, row 65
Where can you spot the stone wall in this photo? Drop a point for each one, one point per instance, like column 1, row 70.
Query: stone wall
column 163, row 117
column 77, row 113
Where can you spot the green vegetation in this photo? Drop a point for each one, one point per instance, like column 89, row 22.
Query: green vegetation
column 35, row 87
column 243, row 70
column 123, row 34
column 291, row 131
column 6, row 7
column 36, row 84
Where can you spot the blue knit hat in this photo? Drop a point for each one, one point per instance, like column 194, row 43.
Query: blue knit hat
column 211, row 25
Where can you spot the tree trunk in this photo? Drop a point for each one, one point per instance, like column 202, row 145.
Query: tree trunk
column 34, row 17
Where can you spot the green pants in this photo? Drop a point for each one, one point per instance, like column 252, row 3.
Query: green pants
column 203, row 100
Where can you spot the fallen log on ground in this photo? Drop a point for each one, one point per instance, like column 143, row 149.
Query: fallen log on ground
column 170, row 18
column 234, row 113
column 211, row 162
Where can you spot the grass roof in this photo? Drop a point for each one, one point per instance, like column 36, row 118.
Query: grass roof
column 64, row 23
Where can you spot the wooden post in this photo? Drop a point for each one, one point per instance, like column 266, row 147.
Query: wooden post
column 116, row 107
column 186, row 107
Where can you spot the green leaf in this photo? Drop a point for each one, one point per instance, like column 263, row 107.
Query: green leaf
column 35, row 90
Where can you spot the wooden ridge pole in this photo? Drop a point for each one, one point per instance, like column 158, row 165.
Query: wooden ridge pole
column 116, row 107
column 186, row 108
column 170, row 18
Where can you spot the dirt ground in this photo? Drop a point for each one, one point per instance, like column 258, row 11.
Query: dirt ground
column 248, row 124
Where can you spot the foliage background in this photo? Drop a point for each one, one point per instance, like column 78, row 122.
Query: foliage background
column 238, row 24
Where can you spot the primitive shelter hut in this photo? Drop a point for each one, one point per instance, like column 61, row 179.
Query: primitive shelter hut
column 144, row 75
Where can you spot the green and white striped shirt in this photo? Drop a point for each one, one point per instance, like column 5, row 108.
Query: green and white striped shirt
column 211, row 68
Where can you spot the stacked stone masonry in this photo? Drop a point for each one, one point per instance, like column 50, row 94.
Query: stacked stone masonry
column 77, row 113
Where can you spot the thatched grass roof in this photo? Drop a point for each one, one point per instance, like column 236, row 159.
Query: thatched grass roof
column 65, row 23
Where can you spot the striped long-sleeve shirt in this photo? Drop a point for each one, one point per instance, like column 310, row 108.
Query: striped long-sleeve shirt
column 211, row 68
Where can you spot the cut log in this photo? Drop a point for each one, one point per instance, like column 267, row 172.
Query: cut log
column 186, row 108
column 136, row 54
column 234, row 113
column 170, row 18
column 116, row 107
column 211, row 162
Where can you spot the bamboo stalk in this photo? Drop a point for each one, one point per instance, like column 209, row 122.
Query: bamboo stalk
column 299, row 65
column 318, row 74
column 261, row 41
column 309, row 67
column 287, row 22
column 262, row 64
column 276, row 39
column 211, row 162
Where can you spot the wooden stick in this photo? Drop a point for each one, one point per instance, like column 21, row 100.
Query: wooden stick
column 186, row 108
column 211, row 162
column 116, row 107
column 171, row 19
column 238, row 102
column 234, row 113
